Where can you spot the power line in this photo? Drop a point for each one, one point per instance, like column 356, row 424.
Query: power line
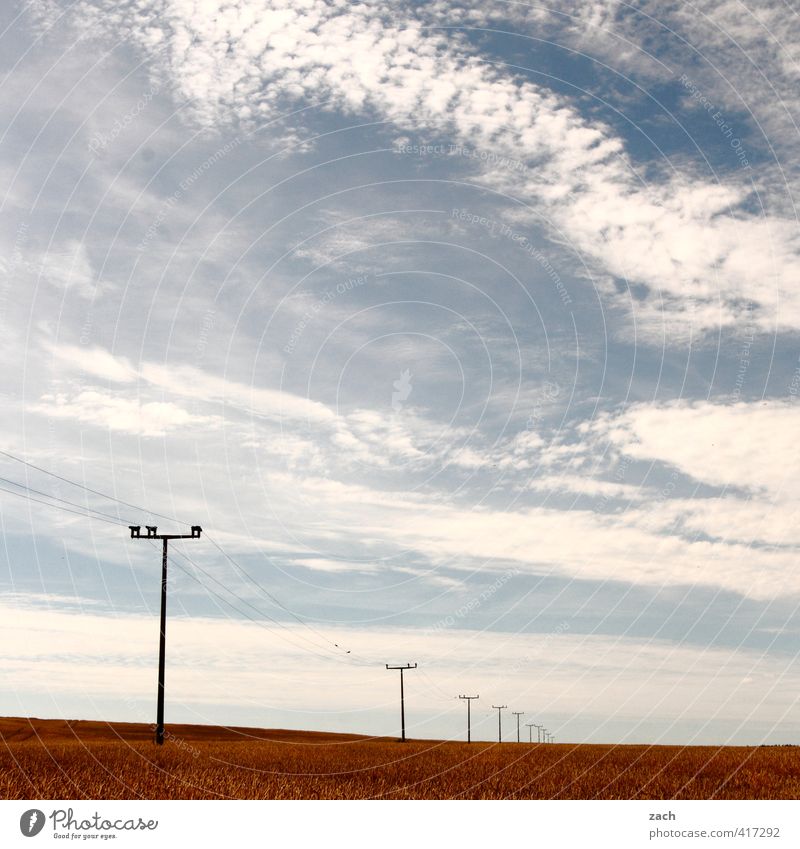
column 119, row 521
column 85, row 511
column 276, row 622
column 259, row 622
column 115, row 519
column 271, row 597
column 85, row 515
column 436, row 690
column 88, row 488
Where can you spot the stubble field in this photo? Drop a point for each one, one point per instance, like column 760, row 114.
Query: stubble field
column 53, row 759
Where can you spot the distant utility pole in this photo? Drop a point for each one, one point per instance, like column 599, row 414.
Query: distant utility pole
column 162, row 643
column 402, row 698
column 499, row 709
column 518, row 714
column 530, row 726
column 538, row 732
column 469, row 718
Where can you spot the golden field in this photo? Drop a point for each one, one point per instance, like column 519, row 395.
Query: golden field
column 54, row 759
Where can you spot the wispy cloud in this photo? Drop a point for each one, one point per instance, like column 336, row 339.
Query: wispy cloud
column 749, row 445
column 103, row 410
column 695, row 245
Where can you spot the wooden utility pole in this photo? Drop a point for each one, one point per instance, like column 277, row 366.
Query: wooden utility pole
column 518, row 714
column 152, row 533
column 499, row 709
column 469, row 719
column 402, row 699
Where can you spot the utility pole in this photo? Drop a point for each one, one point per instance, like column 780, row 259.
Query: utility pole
column 518, row 714
column 402, row 699
column 469, row 719
column 538, row 732
column 530, row 726
column 152, row 533
column 499, row 709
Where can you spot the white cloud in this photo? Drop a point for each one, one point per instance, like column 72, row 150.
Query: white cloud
column 740, row 446
column 586, row 486
column 324, row 564
column 69, row 270
column 97, row 362
column 310, row 432
column 752, row 445
column 189, row 382
column 639, row 546
column 692, row 243
column 274, row 404
column 128, row 415
column 658, row 543
column 743, row 520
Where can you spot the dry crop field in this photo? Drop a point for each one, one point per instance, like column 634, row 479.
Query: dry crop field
column 53, row 759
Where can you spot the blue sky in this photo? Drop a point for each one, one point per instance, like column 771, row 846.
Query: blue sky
column 468, row 333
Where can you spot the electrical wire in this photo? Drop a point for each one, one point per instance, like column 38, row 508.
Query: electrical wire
column 267, row 593
column 89, row 489
column 247, row 603
column 58, row 507
column 120, row 522
column 115, row 519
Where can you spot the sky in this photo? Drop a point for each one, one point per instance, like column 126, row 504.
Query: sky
column 467, row 331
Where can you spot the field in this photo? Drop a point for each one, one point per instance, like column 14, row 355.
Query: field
column 54, row 759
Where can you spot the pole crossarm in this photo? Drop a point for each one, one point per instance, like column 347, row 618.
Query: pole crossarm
column 152, row 533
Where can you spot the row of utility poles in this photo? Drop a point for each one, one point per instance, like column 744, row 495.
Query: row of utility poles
column 151, row 534
column 542, row 734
